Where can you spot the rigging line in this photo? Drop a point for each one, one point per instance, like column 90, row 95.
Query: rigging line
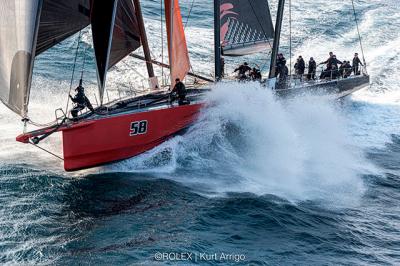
column 73, row 70
column 49, row 152
column 264, row 65
column 33, row 123
column 258, row 21
column 84, row 63
column 36, row 124
column 184, row 27
column 134, row 70
column 190, row 12
column 290, row 37
column 358, row 31
column 162, row 41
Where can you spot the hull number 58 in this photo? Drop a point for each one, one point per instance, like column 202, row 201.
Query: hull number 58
column 138, row 128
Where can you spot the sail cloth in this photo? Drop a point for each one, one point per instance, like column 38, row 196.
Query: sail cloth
column 28, row 28
column 18, row 27
column 246, row 26
column 115, row 35
column 126, row 35
column 103, row 21
column 177, row 47
column 60, row 20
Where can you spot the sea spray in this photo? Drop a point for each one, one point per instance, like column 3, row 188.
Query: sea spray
column 247, row 140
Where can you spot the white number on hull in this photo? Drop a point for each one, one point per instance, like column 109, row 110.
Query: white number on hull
column 138, row 128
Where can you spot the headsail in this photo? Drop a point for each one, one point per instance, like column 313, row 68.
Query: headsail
column 126, row 35
column 177, row 47
column 246, row 26
column 18, row 33
column 103, row 21
column 115, row 35
column 28, row 28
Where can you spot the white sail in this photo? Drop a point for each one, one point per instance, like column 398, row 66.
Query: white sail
column 18, row 32
column 30, row 27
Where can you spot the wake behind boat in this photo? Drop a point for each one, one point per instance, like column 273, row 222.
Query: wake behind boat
column 129, row 126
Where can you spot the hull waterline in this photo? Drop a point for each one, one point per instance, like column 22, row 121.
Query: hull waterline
column 339, row 88
column 116, row 138
column 100, row 140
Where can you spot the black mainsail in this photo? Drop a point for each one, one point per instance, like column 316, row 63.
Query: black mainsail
column 30, row 27
column 115, row 34
column 103, row 21
column 126, row 34
column 60, row 20
column 245, row 26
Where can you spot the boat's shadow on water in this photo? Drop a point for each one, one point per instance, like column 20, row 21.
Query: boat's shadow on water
column 124, row 211
column 132, row 213
column 100, row 196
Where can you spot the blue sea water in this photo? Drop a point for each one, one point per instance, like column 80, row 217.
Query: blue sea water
column 256, row 181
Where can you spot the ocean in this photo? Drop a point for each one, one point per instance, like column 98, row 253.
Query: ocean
column 255, row 181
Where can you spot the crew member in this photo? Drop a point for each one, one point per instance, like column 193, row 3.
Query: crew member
column 300, row 66
column 312, row 68
column 356, row 64
column 334, row 72
column 243, row 69
column 345, row 69
column 330, row 63
column 342, row 69
column 80, row 100
column 327, row 71
column 256, row 74
column 336, row 61
column 281, row 68
column 180, row 90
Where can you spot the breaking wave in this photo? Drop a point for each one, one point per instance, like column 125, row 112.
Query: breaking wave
column 248, row 141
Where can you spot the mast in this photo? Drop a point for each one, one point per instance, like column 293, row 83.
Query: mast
column 217, row 40
column 34, row 45
column 171, row 46
column 143, row 38
column 275, row 48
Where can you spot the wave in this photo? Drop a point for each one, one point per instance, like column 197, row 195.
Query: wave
column 246, row 140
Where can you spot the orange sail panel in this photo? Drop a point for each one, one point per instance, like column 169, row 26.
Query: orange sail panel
column 177, row 47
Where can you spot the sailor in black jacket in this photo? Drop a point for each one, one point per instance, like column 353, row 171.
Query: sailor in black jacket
column 80, row 100
column 356, row 64
column 243, row 70
column 281, row 67
column 332, row 64
column 312, row 69
column 300, row 66
column 180, row 90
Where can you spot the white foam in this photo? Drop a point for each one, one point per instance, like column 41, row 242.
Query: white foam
column 247, row 141
column 281, row 141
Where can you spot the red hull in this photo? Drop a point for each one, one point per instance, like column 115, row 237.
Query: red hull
column 100, row 141
column 115, row 138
